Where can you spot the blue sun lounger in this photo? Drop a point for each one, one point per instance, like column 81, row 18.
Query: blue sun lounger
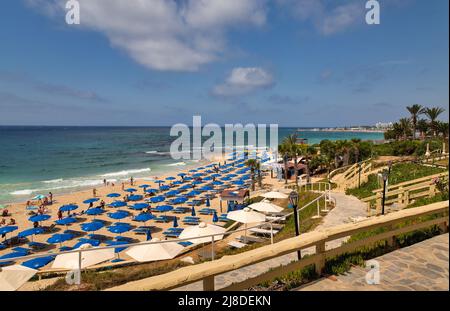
column 206, row 211
column 185, row 243
column 164, row 219
column 37, row 245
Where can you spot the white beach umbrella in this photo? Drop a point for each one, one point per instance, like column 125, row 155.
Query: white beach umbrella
column 154, row 252
column 13, row 277
column 274, row 195
column 265, row 207
column 88, row 258
column 246, row 216
column 200, row 230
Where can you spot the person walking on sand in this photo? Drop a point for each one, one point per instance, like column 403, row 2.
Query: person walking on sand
column 123, row 186
column 131, row 180
column 94, row 192
column 104, row 182
column 60, row 215
column 50, row 196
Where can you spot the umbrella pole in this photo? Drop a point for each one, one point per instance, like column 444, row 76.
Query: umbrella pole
column 212, row 248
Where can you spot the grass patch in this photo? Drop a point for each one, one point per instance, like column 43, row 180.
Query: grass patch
column 400, row 172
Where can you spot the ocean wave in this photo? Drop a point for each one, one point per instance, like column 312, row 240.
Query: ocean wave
column 126, row 172
column 177, row 164
column 23, row 192
column 53, row 181
column 155, row 152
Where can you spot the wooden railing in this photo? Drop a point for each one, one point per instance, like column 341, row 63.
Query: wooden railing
column 352, row 175
column 403, row 193
column 395, row 224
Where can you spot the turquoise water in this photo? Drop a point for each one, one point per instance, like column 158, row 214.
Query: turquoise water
column 37, row 160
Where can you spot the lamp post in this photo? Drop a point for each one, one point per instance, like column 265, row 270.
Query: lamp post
column 389, row 166
column 385, row 178
column 293, row 199
column 285, row 159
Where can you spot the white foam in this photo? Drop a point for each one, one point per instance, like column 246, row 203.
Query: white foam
column 177, row 164
column 23, row 192
column 126, row 172
column 53, row 181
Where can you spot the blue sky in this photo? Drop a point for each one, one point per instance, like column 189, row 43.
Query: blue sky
column 290, row 62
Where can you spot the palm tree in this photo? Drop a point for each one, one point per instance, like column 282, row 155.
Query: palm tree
column 258, row 169
column 405, row 126
column 423, row 127
column 282, row 149
column 293, row 150
column 442, row 128
column 415, row 111
column 433, row 115
column 252, row 164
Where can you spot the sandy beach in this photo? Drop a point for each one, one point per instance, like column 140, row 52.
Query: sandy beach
column 20, row 214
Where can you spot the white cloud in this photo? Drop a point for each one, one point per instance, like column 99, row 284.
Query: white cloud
column 164, row 34
column 326, row 18
column 243, row 80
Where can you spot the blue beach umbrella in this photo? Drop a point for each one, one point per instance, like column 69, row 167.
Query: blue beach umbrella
column 177, row 182
column 157, row 199
column 239, row 182
column 215, row 175
column 197, row 182
column 39, row 218
column 188, row 178
column 185, row 187
column 181, row 174
column 208, row 204
column 139, row 206
column 159, row 181
column 39, row 197
column 192, row 170
column 135, row 197
column 144, row 217
column 215, row 218
column 197, row 175
column 30, row 232
column 86, row 241
column 164, row 208
column 164, row 187
column 119, row 229
column 144, row 186
column 217, row 183
column 206, row 188
column 151, row 190
column 130, row 190
column 179, row 200
column 66, row 221
column 89, row 201
column 118, row 204
column 92, row 226
column 59, row 238
column 68, row 207
column 175, row 222
column 193, row 211
column 37, row 263
column 8, row 229
column 193, row 193
column 170, row 178
column 118, row 215
column 94, row 211
column 172, row 193
column 113, row 195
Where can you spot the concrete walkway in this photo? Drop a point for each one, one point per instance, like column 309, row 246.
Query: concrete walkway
column 422, row 266
column 346, row 206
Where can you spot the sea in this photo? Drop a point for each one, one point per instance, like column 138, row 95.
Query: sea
column 61, row 159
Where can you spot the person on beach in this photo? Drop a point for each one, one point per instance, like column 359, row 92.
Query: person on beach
column 35, row 224
column 3, row 222
column 104, row 182
column 50, row 196
column 60, row 215
column 94, row 192
column 131, row 180
column 5, row 212
column 123, row 186
column 12, row 222
column 102, row 204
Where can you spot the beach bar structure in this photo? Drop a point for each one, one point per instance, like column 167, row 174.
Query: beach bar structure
column 233, row 195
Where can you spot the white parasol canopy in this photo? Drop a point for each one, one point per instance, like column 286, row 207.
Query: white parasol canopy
column 201, row 230
column 154, row 252
column 88, row 258
column 274, row 195
column 13, row 277
column 246, row 216
column 266, row 207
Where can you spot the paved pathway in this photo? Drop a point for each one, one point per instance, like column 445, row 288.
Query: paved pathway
column 346, row 206
column 422, row 266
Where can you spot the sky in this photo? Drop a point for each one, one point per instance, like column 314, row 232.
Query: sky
column 301, row 63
